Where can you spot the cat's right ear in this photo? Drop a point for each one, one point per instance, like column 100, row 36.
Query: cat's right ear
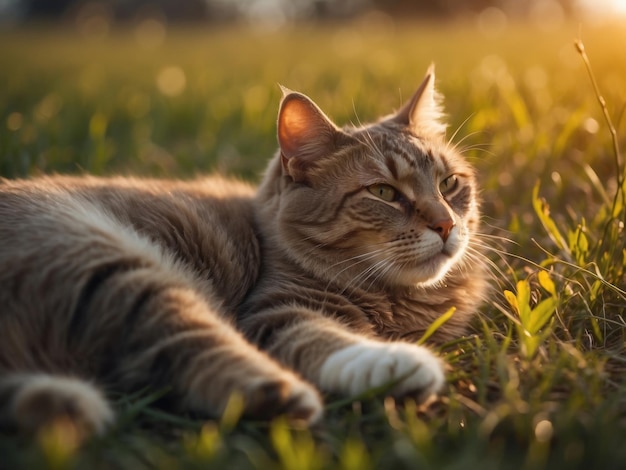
column 305, row 134
column 423, row 113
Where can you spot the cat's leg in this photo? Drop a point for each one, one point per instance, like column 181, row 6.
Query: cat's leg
column 337, row 360
column 30, row 402
column 103, row 301
column 176, row 341
column 146, row 319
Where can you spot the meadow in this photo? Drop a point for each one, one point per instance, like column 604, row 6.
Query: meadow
column 538, row 382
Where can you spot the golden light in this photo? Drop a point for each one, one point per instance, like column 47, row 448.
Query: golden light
column 619, row 6
column 605, row 7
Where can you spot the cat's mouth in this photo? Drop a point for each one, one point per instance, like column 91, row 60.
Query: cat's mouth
column 433, row 268
column 441, row 260
column 447, row 252
column 443, row 253
column 428, row 270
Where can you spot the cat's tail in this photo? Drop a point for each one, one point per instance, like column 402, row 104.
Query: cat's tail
column 32, row 402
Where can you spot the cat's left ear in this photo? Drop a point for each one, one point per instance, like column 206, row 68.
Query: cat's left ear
column 423, row 113
column 305, row 134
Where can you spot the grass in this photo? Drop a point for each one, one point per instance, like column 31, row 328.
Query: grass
column 537, row 383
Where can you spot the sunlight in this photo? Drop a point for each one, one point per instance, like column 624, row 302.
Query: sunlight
column 613, row 6
column 619, row 6
column 605, row 7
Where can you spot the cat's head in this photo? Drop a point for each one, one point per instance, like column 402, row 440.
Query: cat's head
column 385, row 204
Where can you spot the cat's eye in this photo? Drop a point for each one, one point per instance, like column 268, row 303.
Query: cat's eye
column 449, row 184
column 383, row 191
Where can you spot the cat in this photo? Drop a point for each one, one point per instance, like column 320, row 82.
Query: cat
column 318, row 282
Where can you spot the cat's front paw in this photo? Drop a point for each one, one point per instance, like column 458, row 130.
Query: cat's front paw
column 283, row 395
column 266, row 389
column 368, row 364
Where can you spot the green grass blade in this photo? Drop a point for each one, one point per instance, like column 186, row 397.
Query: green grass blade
column 436, row 325
column 542, row 209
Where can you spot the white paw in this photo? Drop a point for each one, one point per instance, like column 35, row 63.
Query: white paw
column 368, row 364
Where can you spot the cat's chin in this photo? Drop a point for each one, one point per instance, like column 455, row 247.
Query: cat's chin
column 431, row 268
column 428, row 272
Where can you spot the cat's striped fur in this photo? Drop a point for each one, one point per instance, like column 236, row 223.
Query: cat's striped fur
column 353, row 244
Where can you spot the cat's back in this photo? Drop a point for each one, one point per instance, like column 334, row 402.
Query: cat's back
column 118, row 191
column 206, row 224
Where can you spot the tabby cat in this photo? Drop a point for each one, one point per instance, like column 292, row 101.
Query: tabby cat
column 319, row 281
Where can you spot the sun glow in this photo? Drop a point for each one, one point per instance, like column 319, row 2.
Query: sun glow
column 619, row 6
column 613, row 6
column 605, row 7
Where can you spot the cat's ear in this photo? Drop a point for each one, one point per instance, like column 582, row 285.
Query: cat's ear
column 305, row 133
column 423, row 113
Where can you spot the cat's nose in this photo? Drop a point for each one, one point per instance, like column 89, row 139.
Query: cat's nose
column 443, row 227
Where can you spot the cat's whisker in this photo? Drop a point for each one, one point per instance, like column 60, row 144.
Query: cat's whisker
column 495, row 271
column 454, row 134
column 484, row 245
column 457, row 145
column 356, row 115
column 353, row 265
column 476, row 251
column 366, row 269
column 369, row 143
column 479, row 250
column 315, row 250
column 372, row 266
column 383, row 273
column 491, row 248
column 361, row 257
column 490, row 236
column 362, row 278
column 470, row 145
column 479, row 147
column 358, row 259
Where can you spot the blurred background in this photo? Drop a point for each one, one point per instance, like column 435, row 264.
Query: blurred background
column 278, row 11
column 181, row 87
